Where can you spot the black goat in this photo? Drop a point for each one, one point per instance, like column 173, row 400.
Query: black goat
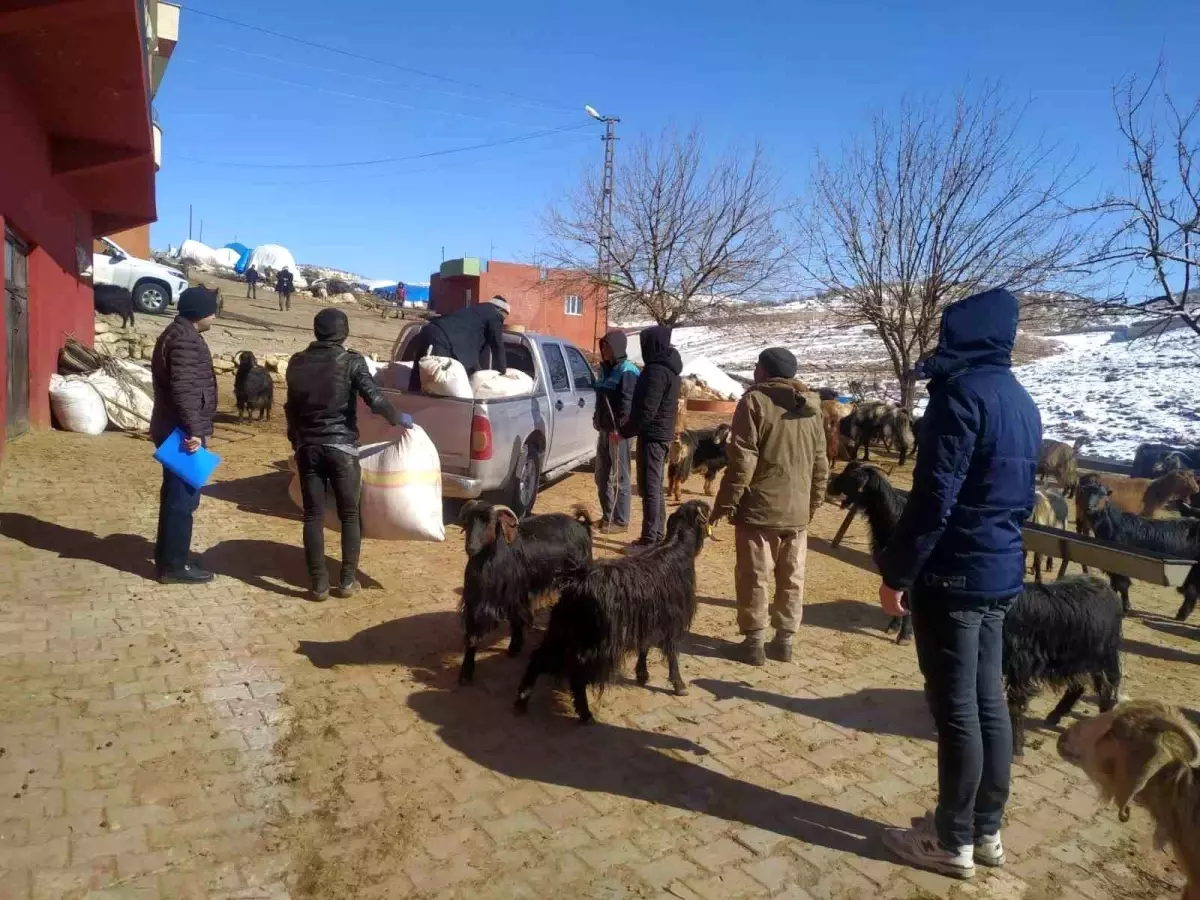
column 882, row 422
column 511, row 566
column 706, row 449
column 253, row 388
column 1153, row 460
column 867, row 489
column 614, row 608
column 1175, row 538
column 108, row 299
column 1057, row 634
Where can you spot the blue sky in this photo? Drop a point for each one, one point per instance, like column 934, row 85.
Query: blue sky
column 796, row 76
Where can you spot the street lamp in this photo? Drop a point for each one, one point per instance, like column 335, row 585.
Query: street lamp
column 604, row 263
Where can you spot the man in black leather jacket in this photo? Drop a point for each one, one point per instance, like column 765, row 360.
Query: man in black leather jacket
column 324, row 383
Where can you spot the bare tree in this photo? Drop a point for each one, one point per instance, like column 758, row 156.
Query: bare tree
column 1155, row 222
column 687, row 237
column 931, row 208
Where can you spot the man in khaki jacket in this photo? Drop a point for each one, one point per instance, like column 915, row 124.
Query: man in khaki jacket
column 773, row 485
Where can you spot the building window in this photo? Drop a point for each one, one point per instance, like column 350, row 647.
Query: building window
column 573, row 305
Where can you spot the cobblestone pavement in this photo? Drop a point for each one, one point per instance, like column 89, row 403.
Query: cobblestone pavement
column 235, row 741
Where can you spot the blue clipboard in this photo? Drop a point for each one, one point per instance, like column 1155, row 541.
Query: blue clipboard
column 194, row 468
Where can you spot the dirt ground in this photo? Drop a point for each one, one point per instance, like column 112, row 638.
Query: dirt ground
column 236, row 741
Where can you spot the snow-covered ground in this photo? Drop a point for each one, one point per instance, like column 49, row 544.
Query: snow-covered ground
column 1116, row 395
column 1119, row 395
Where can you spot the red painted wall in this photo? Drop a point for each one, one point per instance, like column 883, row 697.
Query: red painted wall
column 43, row 213
column 538, row 305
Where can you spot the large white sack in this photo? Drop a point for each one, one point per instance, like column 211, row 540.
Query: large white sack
column 194, row 251
column 402, row 489
column 76, row 405
column 226, row 257
column 331, row 517
column 128, row 406
column 445, row 377
column 488, row 384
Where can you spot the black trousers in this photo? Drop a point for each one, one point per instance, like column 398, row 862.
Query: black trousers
column 177, row 502
column 318, row 467
column 651, row 466
column 960, row 646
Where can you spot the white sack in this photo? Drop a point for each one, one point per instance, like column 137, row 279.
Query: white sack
column 402, row 489
column 445, row 377
column 488, row 384
column 194, row 251
column 128, row 407
column 76, row 405
column 276, row 258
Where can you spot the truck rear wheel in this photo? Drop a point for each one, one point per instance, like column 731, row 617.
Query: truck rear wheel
column 523, row 490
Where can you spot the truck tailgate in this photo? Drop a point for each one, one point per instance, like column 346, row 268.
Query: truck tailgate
column 446, row 420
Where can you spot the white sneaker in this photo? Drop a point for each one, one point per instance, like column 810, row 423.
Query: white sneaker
column 919, row 846
column 989, row 851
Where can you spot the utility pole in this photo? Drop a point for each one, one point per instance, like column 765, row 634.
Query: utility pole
column 189, row 221
column 604, row 248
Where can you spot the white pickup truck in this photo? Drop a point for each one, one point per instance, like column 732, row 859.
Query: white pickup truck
column 502, row 449
column 155, row 287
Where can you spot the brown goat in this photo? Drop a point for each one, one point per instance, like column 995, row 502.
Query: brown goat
column 1146, row 751
column 832, row 413
column 1049, row 509
column 1137, row 496
column 1060, row 461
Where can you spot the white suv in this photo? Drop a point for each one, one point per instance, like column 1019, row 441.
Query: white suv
column 154, row 286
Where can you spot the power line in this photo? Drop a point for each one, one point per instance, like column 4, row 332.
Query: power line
column 391, row 159
column 379, row 62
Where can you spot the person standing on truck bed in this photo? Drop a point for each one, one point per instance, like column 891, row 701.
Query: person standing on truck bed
column 614, row 402
column 463, row 335
column 324, row 382
column 652, row 421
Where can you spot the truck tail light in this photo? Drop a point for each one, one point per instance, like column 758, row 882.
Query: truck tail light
column 481, row 438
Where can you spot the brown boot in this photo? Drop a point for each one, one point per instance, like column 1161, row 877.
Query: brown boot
column 750, row 651
column 780, row 648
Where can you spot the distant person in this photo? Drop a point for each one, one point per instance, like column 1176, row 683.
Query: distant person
column 252, row 284
column 285, row 284
column 773, row 486
column 463, row 335
column 652, row 422
column 324, row 384
column 957, row 551
column 185, row 397
column 614, row 403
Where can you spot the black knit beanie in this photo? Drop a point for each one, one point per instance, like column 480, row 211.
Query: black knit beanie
column 778, row 363
column 197, row 303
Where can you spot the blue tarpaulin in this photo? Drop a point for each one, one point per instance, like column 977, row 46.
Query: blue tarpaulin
column 243, row 256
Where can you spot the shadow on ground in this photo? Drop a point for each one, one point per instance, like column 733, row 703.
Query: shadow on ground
column 1169, row 626
column 420, row 643
column 875, row 710
column 263, row 564
column 651, row 766
column 265, row 494
column 1154, row 651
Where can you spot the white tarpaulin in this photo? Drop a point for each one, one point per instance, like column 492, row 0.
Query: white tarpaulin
column 705, row 371
column 194, row 251
column 276, row 258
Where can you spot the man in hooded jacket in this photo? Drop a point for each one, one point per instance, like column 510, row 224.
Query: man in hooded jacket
column 463, row 335
column 614, row 403
column 957, row 552
column 324, row 383
column 773, row 485
column 652, row 422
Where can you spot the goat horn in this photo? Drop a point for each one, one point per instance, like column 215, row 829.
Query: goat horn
column 505, row 509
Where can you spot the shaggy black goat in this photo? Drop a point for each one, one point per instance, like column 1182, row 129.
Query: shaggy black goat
column 1176, row 538
column 1153, row 460
column 706, row 449
column 867, row 489
column 881, row 422
column 253, row 388
column 510, row 566
column 1058, row 634
column 614, row 608
column 108, row 299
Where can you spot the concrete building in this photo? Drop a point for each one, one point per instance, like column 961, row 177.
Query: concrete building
column 559, row 302
column 78, row 160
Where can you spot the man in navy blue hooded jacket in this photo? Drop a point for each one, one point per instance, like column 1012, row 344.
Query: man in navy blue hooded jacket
column 958, row 554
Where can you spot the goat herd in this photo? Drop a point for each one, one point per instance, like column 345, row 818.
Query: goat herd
column 1064, row 634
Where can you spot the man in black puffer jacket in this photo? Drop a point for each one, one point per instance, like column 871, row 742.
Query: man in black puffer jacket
column 652, row 421
column 324, row 384
column 185, row 397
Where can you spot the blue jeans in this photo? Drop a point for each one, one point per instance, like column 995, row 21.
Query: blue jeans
column 612, row 479
column 960, row 646
column 177, row 501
